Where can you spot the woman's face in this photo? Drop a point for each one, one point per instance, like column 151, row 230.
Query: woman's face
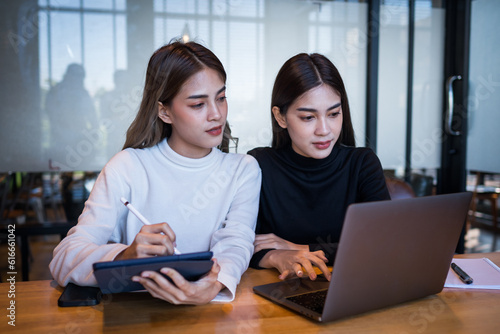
column 197, row 115
column 314, row 122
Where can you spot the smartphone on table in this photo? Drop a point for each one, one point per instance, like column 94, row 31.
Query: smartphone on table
column 76, row 295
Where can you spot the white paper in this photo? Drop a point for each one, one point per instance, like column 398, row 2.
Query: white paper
column 486, row 274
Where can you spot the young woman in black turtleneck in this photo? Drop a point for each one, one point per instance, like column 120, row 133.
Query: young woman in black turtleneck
column 312, row 172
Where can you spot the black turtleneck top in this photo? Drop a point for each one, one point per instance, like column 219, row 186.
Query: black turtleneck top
column 304, row 200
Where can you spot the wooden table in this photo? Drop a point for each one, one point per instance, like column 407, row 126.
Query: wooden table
column 451, row 311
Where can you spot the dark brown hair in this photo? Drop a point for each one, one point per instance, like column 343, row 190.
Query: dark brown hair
column 298, row 75
column 168, row 69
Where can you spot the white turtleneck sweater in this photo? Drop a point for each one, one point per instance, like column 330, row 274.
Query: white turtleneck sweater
column 210, row 203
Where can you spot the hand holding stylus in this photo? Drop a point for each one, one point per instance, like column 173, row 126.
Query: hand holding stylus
column 153, row 239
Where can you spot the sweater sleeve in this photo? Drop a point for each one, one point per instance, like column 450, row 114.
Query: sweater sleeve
column 232, row 244
column 88, row 241
column 371, row 184
column 254, row 262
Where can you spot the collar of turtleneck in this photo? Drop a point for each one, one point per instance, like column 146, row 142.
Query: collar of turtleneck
column 183, row 161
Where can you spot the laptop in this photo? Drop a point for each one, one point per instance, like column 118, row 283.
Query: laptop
column 389, row 252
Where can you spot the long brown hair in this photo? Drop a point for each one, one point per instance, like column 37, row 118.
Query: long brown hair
column 298, row 75
column 168, row 69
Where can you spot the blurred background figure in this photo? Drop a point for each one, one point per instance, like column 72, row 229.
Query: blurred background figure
column 117, row 108
column 74, row 128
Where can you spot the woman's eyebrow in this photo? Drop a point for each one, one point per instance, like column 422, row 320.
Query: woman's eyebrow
column 221, row 90
column 336, row 105
column 201, row 96
column 307, row 109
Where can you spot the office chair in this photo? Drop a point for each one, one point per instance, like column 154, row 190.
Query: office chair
column 399, row 189
column 481, row 192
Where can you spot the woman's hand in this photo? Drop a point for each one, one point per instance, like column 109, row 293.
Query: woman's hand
column 181, row 291
column 156, row 239
column 291, row 262
column 264, row 241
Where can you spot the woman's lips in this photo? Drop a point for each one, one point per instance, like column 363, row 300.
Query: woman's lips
column 322, row 145
column 215, row 131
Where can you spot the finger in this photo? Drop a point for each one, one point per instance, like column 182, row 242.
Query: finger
column 306, row 263
column 153, row 228
column 265, row 237
column 297, row 269
column 169, row 247
column 155, row 239
column 153, row 288
column 146, row 250
column 213, row 274
column 159, row 228
column 257, row 248
column 258, row 241
column 262, row 246
column 321, row 255
column 323, row 267
column 215, row 267
column 284, row 274
column 180, row 282
column 168, row 231
column 259, row 237
column 160, row 286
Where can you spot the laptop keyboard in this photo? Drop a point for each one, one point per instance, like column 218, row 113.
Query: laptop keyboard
column 314, row 301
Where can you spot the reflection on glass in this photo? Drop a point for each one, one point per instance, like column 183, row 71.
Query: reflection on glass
column 72, row 116
column 98, row 4
column 81, row 128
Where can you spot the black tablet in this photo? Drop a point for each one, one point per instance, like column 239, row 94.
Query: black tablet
column 115, row 276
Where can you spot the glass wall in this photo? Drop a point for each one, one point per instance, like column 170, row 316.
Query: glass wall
column 427, row 86
column 483, row 153
column 89, row 60
column 254, row 38
column 82, row 58
column 392, row 83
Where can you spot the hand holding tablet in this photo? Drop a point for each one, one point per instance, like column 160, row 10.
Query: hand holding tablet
column 116, row 276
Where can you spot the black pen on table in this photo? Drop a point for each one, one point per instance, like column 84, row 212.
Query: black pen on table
column 464, row 277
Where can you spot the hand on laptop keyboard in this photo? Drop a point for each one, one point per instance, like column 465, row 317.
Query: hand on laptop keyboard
column 295, row 262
